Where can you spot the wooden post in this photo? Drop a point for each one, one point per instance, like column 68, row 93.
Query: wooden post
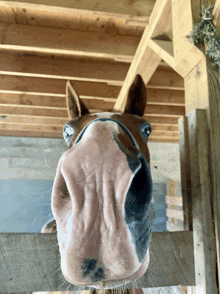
column 185, row 173
column 202, row 90
column 203, row 230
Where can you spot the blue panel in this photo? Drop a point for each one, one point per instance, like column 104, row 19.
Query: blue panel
column 160, row 206
column 25, row 205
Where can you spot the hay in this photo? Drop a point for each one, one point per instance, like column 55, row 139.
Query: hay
column 205, row 32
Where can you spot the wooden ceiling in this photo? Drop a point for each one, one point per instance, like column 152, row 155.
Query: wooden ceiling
column 43, row 46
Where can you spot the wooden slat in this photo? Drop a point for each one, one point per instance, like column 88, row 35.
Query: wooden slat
column 69, row 42
column 77, row 19
column 30, row 127
column 91, row 7
column 165, row 109
column 162, row 123
column 185, row 172
column 44, row 134
column 164, row 96
column 35, row 111
column 50, row 66
column 162, row 119
column 170, row 252
column 31, row 119
column 154, row 96
column 61, row 112
column 55, row 86
column 160, row 80
column 166, row 80
column 169, row 122
column 203, row 229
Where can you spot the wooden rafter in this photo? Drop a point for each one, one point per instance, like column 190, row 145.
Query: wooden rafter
column 37, row 59
column 179, row 53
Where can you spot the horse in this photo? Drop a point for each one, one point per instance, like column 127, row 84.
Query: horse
column 102, row 193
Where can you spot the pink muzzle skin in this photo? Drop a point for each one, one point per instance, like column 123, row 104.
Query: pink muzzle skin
column 94, row 240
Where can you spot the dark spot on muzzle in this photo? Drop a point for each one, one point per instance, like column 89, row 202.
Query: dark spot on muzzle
column 99, row 275
column 90, row 268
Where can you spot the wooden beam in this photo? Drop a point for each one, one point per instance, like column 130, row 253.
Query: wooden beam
column 153, row 110
column 166, row 79
column 154, row 96
column 196, row 87
column 66, row 42
column 169, row 253
column 33, row 85
column 159, row 119
column 31, row 119
column 164, row 49
column 203, row 229
column 186, row 55
column 33, row 134
column 62, row 67
column 145, row 61
column 91, row 6
column 72, row 18
column 205, row 93
column 159, row 122
column 185, row 172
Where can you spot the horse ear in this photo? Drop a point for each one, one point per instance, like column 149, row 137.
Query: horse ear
column 75, row 105
column 137, row 97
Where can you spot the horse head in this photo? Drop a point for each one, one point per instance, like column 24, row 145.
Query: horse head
column 101, row 198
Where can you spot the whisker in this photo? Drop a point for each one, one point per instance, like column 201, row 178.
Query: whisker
column 62, row 284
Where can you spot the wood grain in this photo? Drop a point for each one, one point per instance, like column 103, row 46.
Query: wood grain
column 29, row 262
column 185, row 172
column 203, row 229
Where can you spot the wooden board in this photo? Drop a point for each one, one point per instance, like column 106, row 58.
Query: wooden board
column 134, row 8
column 66, row 42
column 145, row 61
column 203, row 228
column 30, row 262
column 202, row 91
column 185, row 172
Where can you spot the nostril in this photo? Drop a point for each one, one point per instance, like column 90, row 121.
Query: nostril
column 65, row 192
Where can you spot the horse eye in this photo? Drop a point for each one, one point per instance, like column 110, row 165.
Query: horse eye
column 67, row 132
column 146, row 130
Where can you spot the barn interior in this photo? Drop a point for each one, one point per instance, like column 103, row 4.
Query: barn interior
column 99, row 46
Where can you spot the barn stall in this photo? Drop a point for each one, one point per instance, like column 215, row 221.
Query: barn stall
column 100, row 48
